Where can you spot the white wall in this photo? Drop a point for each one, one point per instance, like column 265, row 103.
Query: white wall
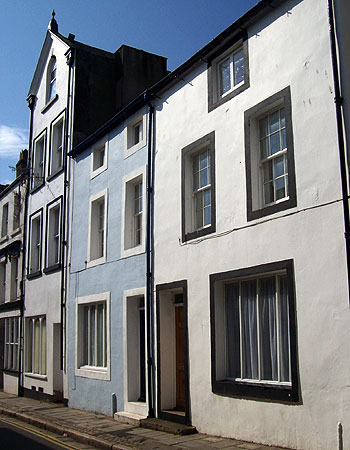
column 289, row 50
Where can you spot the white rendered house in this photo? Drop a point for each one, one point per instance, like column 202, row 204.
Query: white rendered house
column 251, row 272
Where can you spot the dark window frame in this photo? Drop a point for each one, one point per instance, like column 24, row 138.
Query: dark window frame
column 186, row 178
column 55, row 121
column 261, row 390
column 251, row 116
column 42, row 134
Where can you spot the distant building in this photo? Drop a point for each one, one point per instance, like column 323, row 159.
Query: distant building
column 12, row 215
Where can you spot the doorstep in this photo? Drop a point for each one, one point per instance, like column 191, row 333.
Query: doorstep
column 168, row 427
column 129, row 418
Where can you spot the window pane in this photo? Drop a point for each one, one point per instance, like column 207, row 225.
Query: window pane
column 203, row 157
column 280, row 188
column 249, row 330
column 278, row 166
column 284, row 138
column 275, row 143
column 267, row 166
column 207, row 215
column 92, row 335
column 274, row 121
column 233, row 368
column 284, row 330
column 268, row 193
column 85, row 336
column 29, row 345
column 265, row 148
column 100, row 319
column 238, row 67
column 225, row 76
column 43, row 346
column 36, row 345
column 207, row 197
column 204, row 178
column 268, row 329
column 283, row 118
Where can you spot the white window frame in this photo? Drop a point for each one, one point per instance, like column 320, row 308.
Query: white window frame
column 233, row 85
column 53, row 237
column 5, row 221
column 131, row 342
column 128, row 247
column 95, row 229
column 96, row 167
column 216, row 97
column 14, row 278
column 82, row 370
column 38, row 163
column 33, row 353
column 131, row 146
column 3, row 277
column 54, row 148
column 35, row 245
column 11, row 356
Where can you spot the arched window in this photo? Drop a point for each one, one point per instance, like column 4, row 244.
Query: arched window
column 51, row 79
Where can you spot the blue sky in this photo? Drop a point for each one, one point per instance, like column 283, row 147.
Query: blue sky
column 175, row 29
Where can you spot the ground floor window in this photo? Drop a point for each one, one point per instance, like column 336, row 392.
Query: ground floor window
column 95, row 335
column 11, row 343
column 92, row 356
column 254, row 341
column 36, row 345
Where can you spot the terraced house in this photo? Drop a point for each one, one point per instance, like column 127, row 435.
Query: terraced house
column 188, row 252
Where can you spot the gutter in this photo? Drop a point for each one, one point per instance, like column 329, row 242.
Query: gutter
column 31, row 99
column 149, row 262
column 338, row 100
column 63, row 218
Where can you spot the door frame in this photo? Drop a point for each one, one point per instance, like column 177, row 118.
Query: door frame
column 176, row 287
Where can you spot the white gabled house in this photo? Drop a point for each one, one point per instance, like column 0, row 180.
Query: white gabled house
column 75, row 89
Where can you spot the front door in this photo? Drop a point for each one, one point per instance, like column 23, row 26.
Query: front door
column 180, row 358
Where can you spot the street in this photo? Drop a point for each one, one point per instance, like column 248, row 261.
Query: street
column 16, row 435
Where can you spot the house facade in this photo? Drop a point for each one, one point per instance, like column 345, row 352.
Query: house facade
column 75, row 89
column 107, row 302
column 250, row 275
column 12, row 210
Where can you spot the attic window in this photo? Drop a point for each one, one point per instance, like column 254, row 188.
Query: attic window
column 51, row 79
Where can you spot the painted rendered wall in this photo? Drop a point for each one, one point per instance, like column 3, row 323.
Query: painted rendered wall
column 289, row 47
column 116, row 275
column 43, row 294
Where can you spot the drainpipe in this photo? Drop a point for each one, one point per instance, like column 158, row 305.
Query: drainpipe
column 338, row 99
column 149, row 260
column 31, row 104
column 63, row 215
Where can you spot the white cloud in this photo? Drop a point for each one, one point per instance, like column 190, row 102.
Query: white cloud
column 12, row 141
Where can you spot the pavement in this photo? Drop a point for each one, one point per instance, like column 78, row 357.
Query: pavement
column 106, row 433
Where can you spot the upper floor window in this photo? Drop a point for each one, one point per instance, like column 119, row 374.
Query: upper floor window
column 135, row 135
column 51, row 79
column 4, row 220
column 97, row 229
column 99, row 159
column 228, row 72
column 16, row 210
column 56, row 155
column 35, row 244
column 133, row 225
column 38, row 163
column 14, row 278
column 269, row 153
column 53, row 235
column 198, row 188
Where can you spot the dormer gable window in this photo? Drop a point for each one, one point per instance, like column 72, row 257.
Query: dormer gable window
column 51, row 80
